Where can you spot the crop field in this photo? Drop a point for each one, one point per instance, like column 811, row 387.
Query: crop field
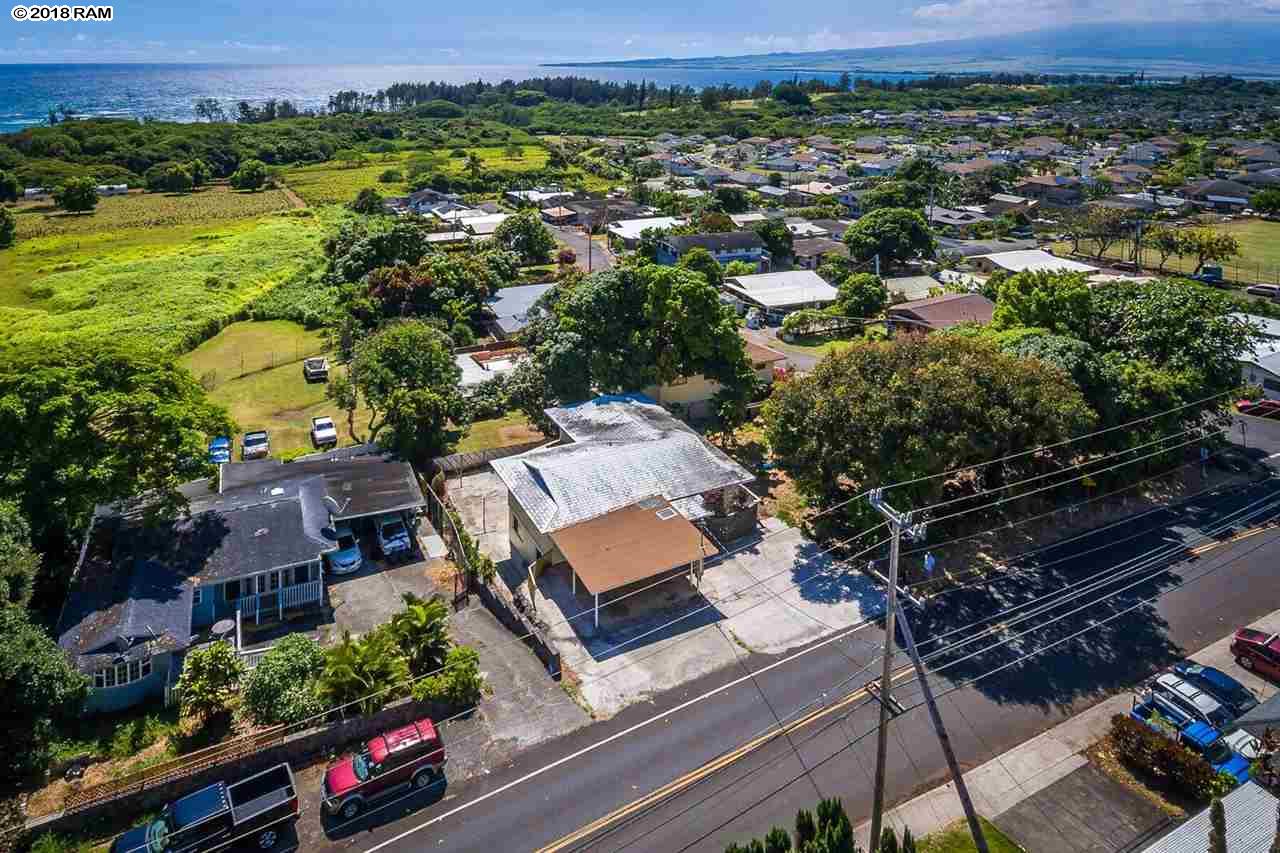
column 149, row 210
column 165, row 288
column 336, row 183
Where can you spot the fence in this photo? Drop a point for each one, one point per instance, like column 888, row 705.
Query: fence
column 458, row 463
column 246, row 755
column 493, row 595
column 1242, row 273
column 241, row 363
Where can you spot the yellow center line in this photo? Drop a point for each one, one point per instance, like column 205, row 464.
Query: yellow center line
column 694, row 776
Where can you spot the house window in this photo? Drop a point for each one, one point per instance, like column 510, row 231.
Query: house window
column 515, row 524
column 1271, row 384
column 262, row 584
column 274, row 581
column 197, row 596
column 232, row 590
column 302, row 574
column 120, row 674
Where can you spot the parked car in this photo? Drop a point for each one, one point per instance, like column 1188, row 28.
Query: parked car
column 220, row 450
column 323, row 432
column 315, row 369
column 411, row 756
column 1170, row 689
column 1259, row 408
column 254, row 810
column 347, row 558
column 1257, row 651
column 392, row 534
column 1231, row 694
column 1197, row 736
column 255, row 445
column 1271, row 291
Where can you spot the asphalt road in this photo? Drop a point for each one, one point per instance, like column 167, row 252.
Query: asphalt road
column 576, row 240
column 1117, row 637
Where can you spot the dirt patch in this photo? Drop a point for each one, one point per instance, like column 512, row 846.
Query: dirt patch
column 518, row 434
column 1102, row 756
column 442, row 573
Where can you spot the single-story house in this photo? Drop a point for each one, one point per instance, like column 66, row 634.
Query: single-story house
column 484, row 225
column 748, row 219
column 748, row 179
column 1008, row 203
column 959, row 223
column 112, row 189
column 1028, row 260
column 628, row 231
column 1250, row 816
column 769, row 191
column 537, row 197
column 558, row 215
column 908, row 288
column 804, row 229
column 480, row 364
column 942, row 312
column 1260, row 365
column 595, row 212
column 251, row 548
column 510, row 307
column 779, row 293
column 628, row 493
column 811, row 192
column 810, row 253
column 724, row 247
column 1219, row 194
column 1051, row 189
column 694, row 394
column 833, row 227
column 977, row 166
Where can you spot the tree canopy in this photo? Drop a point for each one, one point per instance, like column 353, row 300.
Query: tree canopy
column 524, row 234
column 40, row 688
column 894, row 233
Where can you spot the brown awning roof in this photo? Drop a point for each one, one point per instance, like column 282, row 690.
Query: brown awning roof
column 631, row 544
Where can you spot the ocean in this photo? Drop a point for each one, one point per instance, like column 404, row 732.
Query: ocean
column 168, row 91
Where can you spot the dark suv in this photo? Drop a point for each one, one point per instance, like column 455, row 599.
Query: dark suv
column 411, row 756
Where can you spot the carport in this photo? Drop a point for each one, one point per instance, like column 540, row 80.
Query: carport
column 638, row 542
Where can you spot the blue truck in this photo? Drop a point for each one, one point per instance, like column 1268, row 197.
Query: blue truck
column 255, row 813
column 1199, row 737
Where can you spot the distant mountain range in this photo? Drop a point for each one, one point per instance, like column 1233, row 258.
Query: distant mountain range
column 1244, row 48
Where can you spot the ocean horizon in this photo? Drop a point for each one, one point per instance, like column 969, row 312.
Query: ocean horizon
column 168, row 91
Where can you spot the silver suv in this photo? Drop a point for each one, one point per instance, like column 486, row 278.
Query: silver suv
column 1191, row 700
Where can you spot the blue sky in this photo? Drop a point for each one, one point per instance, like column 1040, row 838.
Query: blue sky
column 445, row 32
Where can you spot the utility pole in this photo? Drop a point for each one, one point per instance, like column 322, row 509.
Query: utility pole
column 898, row 523
column 975, row 828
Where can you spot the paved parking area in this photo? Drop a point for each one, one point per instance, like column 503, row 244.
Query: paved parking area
column 775, row 592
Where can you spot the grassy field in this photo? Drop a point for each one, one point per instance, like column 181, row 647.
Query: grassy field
column 335, row 183
column 149, row 210
column 1259, row 259
column 280, row 401
column 166, row 288
column 955, row 838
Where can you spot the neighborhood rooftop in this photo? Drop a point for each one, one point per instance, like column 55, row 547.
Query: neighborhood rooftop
column 625, row 448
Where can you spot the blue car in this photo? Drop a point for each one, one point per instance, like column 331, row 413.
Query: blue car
column 220, row 450
column 1233, row 695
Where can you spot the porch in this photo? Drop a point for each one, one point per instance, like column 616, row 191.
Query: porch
column 262, row 596
column 274, row 603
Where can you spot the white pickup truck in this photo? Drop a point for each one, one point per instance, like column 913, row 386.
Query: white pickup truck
column 323, row 432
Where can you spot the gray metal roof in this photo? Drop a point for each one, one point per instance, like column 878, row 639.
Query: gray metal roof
column 1263, row 716
column 624, row 448
column 1251, row 825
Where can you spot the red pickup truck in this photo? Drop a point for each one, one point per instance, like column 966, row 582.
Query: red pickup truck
column 410, row 756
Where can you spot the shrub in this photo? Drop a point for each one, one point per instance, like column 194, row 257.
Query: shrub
column 366, row 673
column 390, row 176
column 459, row 683
column 806, row 321
column 281, row 689
column 1176, row 767
column 210, row 678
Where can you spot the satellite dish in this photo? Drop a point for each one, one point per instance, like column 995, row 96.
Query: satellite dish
column 337, row 508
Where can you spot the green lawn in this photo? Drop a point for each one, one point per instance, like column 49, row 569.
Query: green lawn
column 165, row 288
column 248, row 347
column 1259, row 258
column 336, row 183
column 955, row 838
column 114, row 735
column 506, row 431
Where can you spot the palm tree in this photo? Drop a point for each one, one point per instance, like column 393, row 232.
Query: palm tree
column 421, row 631
column 474, row 165
column 369, row 672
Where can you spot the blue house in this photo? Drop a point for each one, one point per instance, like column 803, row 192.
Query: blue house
column 728, row 246
column 252, row 551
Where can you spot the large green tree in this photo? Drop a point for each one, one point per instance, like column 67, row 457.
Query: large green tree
column 8, row 227
column 704, row 263
column 861, row 295
column 251, row 175
column 80, row 429
column 777, row 237
column 526, row 235
column 896, row 193
column 1059, row 302
column 77, row 195
column 406, row 378
column 880, row 413
column 19, row 561
column 40, row 688
column 895, row 234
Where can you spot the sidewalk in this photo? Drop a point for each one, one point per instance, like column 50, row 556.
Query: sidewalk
column 1015, row 776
